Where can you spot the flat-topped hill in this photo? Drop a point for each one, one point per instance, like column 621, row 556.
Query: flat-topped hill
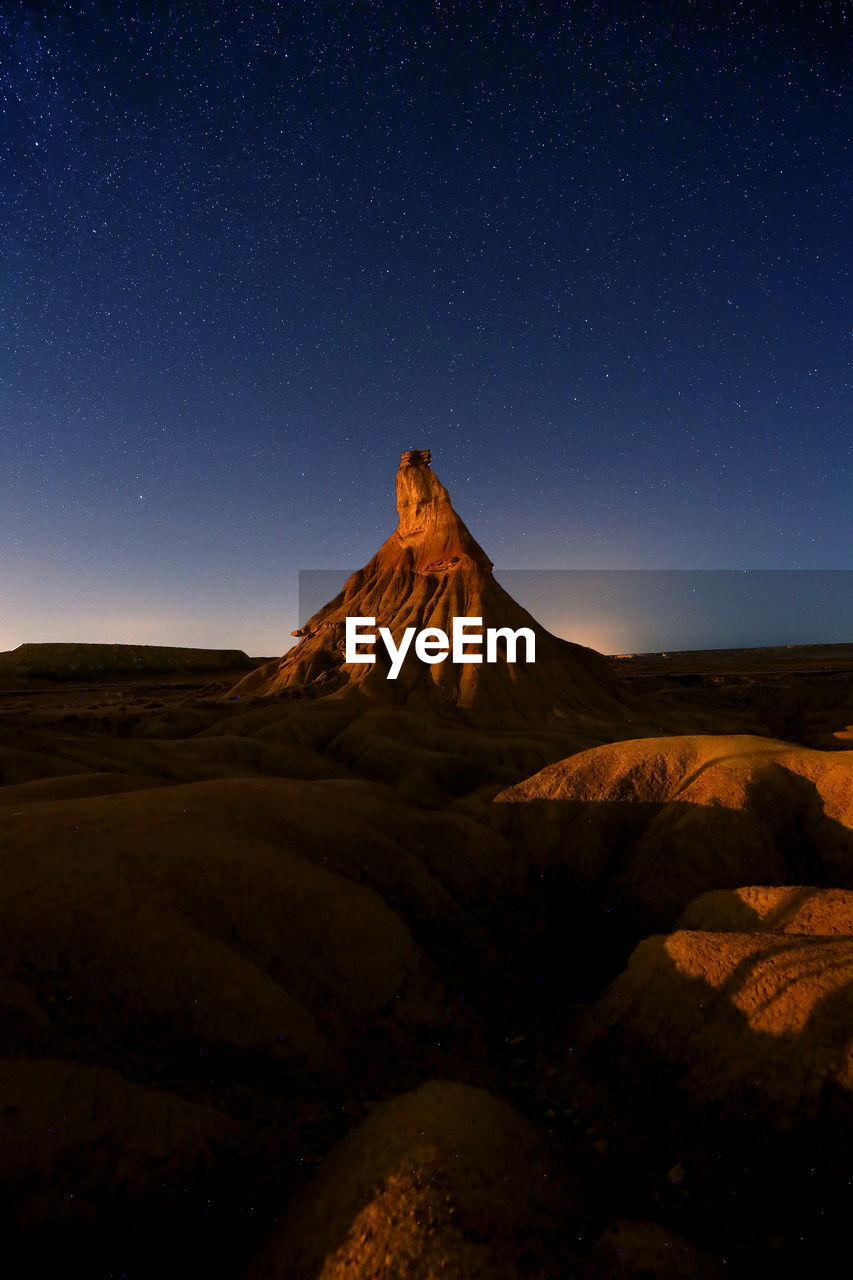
column 771, row 658
column 101, row 661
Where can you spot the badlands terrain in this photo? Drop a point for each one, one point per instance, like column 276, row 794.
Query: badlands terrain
column 541, row 970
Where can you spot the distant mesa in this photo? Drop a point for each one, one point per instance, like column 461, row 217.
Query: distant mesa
column 102, row 661
column 430, row 571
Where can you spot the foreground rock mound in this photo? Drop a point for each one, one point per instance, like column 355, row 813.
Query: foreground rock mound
column 733, row 1050
column 761, row 1017
column 647, row 825
column 444, row 1181
column 82, row 1144
column 786, row 909
column 428, row 572
column 262, row 917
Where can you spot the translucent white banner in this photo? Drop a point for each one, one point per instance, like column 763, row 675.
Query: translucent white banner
column 649, row 610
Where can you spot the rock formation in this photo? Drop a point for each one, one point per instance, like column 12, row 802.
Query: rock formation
column 654, row 822
column 356, row 979
column 443, row 1181
column 762, row 1018
column 428, row 572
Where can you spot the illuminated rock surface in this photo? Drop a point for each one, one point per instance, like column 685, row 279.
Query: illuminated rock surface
column 429, row 571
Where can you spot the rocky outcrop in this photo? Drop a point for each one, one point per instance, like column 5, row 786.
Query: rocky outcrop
column 428, row 572
column 82, row 1146
column 759, row 1018
column 278, row 933
column 646, row 826
column 762, row 908
column 731, row 1050
column 444, row 1181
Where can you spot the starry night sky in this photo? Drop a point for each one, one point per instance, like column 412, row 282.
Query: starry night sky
column 593, row 255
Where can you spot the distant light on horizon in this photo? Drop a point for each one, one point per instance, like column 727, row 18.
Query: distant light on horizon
column 651, row 610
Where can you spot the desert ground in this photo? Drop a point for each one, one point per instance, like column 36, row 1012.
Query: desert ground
column 309, row 977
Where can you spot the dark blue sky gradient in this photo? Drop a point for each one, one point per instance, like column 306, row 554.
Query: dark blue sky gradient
column 593, row 255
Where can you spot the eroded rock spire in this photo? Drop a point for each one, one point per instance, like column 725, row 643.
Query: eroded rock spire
column 428, row 573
